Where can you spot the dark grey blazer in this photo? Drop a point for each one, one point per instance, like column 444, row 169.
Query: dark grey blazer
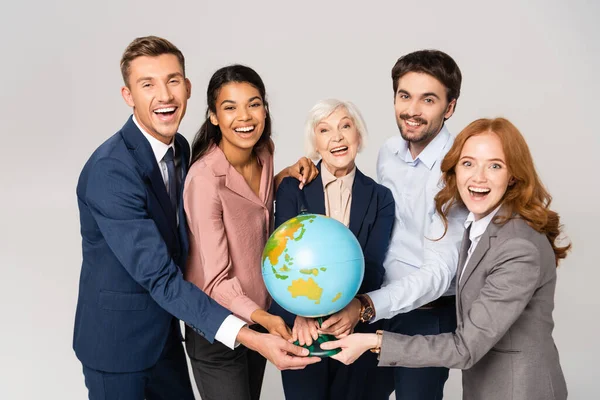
column 503, row 341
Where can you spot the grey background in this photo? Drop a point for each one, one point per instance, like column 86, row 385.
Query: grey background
column 533, row 62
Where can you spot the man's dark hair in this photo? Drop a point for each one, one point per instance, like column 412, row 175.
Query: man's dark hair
column 432, row 62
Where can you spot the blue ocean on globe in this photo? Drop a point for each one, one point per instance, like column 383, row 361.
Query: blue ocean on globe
column 313, row 265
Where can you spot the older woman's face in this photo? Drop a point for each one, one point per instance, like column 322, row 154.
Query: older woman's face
column 337, row 141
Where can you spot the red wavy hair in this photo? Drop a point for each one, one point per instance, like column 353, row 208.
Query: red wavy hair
column 526, row 197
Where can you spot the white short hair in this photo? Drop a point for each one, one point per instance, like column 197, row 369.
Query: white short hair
column 324, row 109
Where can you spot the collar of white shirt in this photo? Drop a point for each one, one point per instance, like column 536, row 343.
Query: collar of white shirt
column 478, row 227
column 430, row 154
column 327, row 177
column 158, row 148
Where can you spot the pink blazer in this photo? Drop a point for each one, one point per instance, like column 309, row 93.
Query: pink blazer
column 228, row 226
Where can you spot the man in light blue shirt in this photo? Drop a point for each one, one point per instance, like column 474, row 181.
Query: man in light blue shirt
column 417, row 296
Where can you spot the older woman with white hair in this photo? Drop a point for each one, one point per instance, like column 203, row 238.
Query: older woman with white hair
column 335, row 132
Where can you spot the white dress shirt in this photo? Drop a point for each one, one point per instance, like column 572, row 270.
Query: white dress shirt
column 159, row 149
column 477, row 229
column 229, row 329
column 417, row 269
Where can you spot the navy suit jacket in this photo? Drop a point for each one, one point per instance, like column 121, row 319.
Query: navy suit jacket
column 131, row 282
column 371, row 221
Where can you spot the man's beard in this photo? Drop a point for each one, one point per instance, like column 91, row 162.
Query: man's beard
column 426, row 134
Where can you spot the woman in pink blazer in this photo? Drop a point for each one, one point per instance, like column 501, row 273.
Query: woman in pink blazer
column 228, row 200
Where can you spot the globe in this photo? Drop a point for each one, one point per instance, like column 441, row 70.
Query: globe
column 312, row 265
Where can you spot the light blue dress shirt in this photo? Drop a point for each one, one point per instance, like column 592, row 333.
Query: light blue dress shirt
column 417, row 269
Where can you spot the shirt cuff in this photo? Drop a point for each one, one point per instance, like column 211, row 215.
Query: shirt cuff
column 228, row 331
column 381, row 303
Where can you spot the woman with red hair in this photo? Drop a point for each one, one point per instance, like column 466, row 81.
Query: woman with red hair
column 506, row 275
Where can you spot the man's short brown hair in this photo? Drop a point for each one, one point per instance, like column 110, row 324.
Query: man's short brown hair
column 150, row 46
column 431, row 62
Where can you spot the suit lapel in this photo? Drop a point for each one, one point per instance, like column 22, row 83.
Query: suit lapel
column 314, row 195
column 362, row 191
column 142, row 152
column 482, row 248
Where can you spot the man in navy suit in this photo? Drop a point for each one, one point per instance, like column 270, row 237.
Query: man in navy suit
column 134, row 239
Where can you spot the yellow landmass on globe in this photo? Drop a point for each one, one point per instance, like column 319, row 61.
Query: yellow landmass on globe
column 310, row 271
column 276, row 245
column 308, row 288
column 337, row 297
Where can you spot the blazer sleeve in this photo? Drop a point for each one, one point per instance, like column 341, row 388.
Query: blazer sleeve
column 286, row 207
column 204, row 213
column 378, row 242
column 508, row 289
column 286, row 200
column 118, row 204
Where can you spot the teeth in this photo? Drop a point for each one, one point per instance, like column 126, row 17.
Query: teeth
column 165, row 110
column 478, row 190
column 339, row 149
column 412, row 123
column 244, row 129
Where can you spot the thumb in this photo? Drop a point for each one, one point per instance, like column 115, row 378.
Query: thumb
column 330, row 321
column 334, row 344
column 295, row 350
column 287, row 333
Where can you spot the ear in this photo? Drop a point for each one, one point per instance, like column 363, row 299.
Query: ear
column 188, row 86
column 450, row 109
column 126, row 93
column 213, row 119
column 512, row 181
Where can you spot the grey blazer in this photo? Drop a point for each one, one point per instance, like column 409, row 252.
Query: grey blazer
column 503, row 340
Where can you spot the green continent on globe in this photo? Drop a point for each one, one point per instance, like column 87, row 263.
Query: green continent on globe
column 277, row 243
column 308, row 288
column 278, row 276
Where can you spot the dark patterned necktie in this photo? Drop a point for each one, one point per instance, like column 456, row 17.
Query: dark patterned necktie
column 169, row 159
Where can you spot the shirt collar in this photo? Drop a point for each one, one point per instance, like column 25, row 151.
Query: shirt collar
column 158, row 148
column 327, row 177
column 478, row 227
column 432, row 152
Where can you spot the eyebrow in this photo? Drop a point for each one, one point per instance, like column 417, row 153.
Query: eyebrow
column 251, row 99
column 430, row 94
column 149, row 78
column 491, row 159
column 427, row 94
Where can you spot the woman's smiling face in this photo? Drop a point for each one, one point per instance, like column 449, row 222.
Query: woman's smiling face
column 240, row 114
column 482, row 176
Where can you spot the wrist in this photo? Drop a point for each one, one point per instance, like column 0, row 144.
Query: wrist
column 355, row 308
column 248, row 338
column 376, row 342
column 367, row 310
column 260, row 317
